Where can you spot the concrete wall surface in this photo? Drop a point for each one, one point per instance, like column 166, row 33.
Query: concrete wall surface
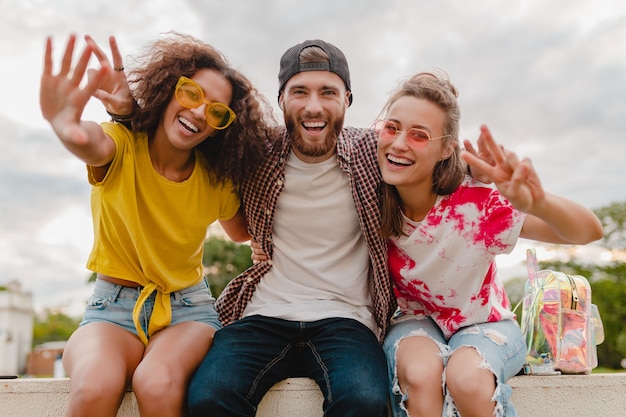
column 596, row 395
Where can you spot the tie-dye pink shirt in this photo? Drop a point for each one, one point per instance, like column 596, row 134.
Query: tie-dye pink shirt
column 445, row 268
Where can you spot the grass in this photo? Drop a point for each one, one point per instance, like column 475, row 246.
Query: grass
column 600, row 370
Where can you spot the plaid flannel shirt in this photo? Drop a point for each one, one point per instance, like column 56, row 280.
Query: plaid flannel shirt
column 356, row 155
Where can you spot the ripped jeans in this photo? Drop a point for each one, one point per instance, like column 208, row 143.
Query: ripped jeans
column 504, row 355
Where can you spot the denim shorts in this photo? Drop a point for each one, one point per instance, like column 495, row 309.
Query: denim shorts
column 113, row 303
column 500, row 344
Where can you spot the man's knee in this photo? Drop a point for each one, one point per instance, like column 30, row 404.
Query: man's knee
column 365, row 398
column 217, row 390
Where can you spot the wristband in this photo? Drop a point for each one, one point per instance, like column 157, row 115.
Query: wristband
column 120, row 118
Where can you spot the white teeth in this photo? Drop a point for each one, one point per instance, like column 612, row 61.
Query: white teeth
column 312, row 125
column 190, row 126
column 398, row 160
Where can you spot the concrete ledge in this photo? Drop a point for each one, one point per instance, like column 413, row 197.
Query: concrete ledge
column 596, row 395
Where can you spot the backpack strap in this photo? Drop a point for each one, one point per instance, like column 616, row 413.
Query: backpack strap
column 574, row 299
column 531, row 266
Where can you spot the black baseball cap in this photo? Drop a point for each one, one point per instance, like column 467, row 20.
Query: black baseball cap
column 290, row 63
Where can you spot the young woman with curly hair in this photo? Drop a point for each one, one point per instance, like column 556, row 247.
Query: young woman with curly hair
column 197, row 130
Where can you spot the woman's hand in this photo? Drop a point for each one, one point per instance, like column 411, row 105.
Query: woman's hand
column 113, row 91
column 480, row 153
column 551, row 218
column 516, row 179
column 61, row 98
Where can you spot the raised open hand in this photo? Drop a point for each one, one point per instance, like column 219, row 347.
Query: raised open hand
column 61, row 98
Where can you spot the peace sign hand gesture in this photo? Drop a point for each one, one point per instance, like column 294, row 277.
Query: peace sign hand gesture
column 516, row 179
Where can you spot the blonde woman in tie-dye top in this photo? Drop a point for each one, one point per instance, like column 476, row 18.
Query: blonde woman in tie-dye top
column 454, row 342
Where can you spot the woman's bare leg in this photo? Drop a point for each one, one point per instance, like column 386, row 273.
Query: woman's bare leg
column 100, row 359
column 160, row 381
column 419, row 367
column 471, row 386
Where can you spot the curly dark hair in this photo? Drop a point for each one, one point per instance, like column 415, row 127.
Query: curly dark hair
column 231, row 154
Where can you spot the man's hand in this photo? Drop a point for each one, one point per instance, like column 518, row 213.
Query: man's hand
column 257, row 253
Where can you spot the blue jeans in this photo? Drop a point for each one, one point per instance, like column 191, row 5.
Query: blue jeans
column 500, row 344
column 249, row 356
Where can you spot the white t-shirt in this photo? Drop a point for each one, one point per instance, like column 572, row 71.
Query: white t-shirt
column 445, row 268
column 320, row 261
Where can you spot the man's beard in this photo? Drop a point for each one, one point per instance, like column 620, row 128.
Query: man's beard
column 316, row 149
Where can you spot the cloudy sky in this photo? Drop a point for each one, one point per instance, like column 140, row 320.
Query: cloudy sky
column 548, row 77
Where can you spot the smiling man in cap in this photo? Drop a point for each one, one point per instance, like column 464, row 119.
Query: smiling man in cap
column 318, row 305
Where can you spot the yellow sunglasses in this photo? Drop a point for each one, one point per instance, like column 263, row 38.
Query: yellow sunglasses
column 190, row 95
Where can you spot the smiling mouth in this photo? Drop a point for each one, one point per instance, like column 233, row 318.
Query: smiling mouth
column 314, row 127
column 395, row 160
column 188, row 125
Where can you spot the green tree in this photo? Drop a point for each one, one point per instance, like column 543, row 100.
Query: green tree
column 52, row 327
column 223, row 260
column 609, row 295
column 608, row 286
column 613, row 218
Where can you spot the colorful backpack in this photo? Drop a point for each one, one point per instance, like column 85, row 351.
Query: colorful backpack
column 561, row 325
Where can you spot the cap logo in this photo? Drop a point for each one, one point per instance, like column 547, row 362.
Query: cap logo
column 315, row 66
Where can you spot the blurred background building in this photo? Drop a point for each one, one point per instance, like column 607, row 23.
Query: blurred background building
column 16, row 328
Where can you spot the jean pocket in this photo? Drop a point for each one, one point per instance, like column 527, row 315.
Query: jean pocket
column 196, row 298
column 96, row 302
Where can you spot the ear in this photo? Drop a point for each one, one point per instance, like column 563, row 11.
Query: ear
column 447, row 151
column 281, row 102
